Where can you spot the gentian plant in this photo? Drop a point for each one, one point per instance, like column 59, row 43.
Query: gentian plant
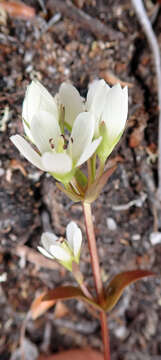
column 62, row 133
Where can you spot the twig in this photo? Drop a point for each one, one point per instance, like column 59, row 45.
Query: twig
column 136, row 202
column 148, row 30
column 42, row 5
column 55, row 18
column 80, row 18
column 36, row 258
column 32, row 256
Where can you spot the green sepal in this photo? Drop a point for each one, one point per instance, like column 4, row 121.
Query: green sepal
column 64, row 178
column 107, row 145
column 66, row 264
column 81, row 177
column 68, row 250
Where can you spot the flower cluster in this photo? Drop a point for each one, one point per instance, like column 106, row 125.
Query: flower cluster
column 65, row 131
column 65, row 251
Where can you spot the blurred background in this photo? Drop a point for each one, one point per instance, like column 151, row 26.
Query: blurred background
column 79, row 41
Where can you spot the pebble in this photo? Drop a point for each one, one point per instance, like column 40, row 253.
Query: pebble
column 29, row 68
column 28, row 57
column 136, row 237
column 3, row 277
column 155, row 238
column 121, row 332
column 111, row 224
column 2, row 171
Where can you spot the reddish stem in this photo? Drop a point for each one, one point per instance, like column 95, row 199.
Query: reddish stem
column 105, row 335
column 97, row 275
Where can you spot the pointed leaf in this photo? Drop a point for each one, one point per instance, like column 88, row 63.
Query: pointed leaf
column 119, row 283
column 69, row 292
column 95, row 189
column 39, row 307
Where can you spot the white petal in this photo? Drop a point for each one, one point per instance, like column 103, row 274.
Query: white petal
column 59, row 163
column 96, row 96
column 72, row 101
column 74, row 237
column 70, row 230
column 89, row 151
column 45, row 253
column 44, row 127
column 47, row 240
column 27, row 151
column 82, row 134
column 115, row 112
column 59, row 253
column 37, row 98
column 77, row 242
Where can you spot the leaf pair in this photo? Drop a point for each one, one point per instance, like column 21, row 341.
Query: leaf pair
column 113, row 293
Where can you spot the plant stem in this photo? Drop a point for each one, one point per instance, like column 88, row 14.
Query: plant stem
column 97, row 275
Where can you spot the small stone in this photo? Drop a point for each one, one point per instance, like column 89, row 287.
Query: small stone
column 111, row 224
column 121, row 332
column 29, row 68
column 2, row 171
column 3, row 277
column 136, row 237
column 155, row 238
column 28, row 57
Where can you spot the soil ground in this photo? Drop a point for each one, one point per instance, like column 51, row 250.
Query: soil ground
column 54, row 49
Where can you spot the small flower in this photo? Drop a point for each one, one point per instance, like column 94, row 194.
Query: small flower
column 44, row 126
column 65, row 251
column 110, row 108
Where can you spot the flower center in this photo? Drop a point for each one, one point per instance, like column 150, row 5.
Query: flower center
column 62, row 144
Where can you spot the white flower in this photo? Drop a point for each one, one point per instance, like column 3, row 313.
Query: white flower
column 44, row 127
column 65, row 251
column 110, row 108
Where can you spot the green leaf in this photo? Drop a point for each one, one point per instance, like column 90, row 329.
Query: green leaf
column 119, row 283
